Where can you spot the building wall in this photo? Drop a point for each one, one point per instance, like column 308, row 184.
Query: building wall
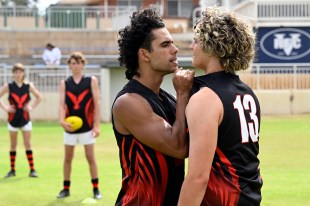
column 22, row 45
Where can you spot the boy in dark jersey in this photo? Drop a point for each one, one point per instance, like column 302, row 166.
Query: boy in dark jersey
column 149, row 124
column 79, row 96
column 223, row 116
column 18, row 111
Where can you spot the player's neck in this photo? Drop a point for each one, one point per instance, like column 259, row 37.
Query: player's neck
column 151, row 83
column 77, row 77
column 19, row 83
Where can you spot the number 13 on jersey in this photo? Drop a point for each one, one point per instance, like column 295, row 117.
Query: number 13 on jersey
column 249, row 128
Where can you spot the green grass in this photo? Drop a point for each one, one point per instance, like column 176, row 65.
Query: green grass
column 285, row 165
column 284, row 154
column 47, row 144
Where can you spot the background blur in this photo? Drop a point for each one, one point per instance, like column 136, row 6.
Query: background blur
column 280, row 74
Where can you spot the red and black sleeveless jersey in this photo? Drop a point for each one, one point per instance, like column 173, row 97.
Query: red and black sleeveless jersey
column 79, row 102
column 149, row 177
column 19, row 98
column 235, row 178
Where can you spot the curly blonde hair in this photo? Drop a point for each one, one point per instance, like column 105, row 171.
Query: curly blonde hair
column 222, row 34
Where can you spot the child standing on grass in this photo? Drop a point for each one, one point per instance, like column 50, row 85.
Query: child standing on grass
column 79, row 96
column 18, row 114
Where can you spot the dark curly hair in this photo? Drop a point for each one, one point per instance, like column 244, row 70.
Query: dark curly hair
column 229, row 37
column 137, row 35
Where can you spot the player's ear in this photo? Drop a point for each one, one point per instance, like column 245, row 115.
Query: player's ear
column 144, row 54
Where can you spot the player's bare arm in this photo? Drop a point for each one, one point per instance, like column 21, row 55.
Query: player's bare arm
column 38, row 98
column 182, row 82
column 133, row 115
column 203, row 126
column 7, row 108
column 96, row 99
column 62, row 109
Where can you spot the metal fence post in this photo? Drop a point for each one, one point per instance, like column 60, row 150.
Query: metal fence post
column 83, row 15
column 5, row 18
column 258, row 77
column 98, row 20
column 295, row 76
column 36, row 16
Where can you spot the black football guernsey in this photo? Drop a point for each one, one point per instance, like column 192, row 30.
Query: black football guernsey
column 18, row 98
column 79, row 102
column 149, row 177
column 235, row 178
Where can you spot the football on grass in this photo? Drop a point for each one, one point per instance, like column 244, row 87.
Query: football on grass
column 75, row 121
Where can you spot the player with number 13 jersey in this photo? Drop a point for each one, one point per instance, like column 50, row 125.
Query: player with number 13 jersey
column 235, row 169
column 223, row 116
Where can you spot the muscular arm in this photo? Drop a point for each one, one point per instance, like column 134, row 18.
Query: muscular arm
column 133, row 115
column 204, row 114
column 96, row 99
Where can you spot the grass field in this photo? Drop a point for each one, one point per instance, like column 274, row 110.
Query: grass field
column 284, row 154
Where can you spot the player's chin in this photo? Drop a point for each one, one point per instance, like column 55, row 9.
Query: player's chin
column 174, row 68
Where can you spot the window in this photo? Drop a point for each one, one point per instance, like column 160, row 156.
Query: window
column 179, row 8
column 136, row 3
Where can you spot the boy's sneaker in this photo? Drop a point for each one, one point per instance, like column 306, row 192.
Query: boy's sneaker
column 97, row 194
column 63, row 193
column 10, row 174
column 33, row 173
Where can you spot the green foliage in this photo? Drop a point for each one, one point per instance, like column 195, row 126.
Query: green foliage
column 284, row 155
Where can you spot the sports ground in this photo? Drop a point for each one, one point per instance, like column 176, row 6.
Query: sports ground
column 284, row 154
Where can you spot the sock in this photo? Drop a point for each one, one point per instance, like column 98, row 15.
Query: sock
column 30, row 159
column 67, row 184
column 12, row 159
column 95, row 183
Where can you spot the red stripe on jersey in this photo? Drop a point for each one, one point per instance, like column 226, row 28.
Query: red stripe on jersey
column 124, row 162
column 154, row 197
column 19, row 100
column 143, row 188
column 232, row 170
column 220, row 191
column 26, row 115
column 164, row 173
column 89, row 112
column 76, row 100
column 11, row 116
column 130, row 191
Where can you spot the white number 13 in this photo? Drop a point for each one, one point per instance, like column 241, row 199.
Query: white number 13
column 247, row 128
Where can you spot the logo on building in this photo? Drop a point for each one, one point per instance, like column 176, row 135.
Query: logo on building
column 286, row 43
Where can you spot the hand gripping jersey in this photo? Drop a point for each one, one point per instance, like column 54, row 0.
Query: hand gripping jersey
column 19, row 98
column 79, row 102
column 235, row 176
column 149, row 178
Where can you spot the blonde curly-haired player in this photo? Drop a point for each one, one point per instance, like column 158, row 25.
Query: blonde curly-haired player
column 223, row 116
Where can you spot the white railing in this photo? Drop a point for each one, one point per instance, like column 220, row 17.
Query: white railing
column 63, row 17
column 259, row 77
column 278, row 76
column 46, row 79
column 284, row 10
column 275, row 11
